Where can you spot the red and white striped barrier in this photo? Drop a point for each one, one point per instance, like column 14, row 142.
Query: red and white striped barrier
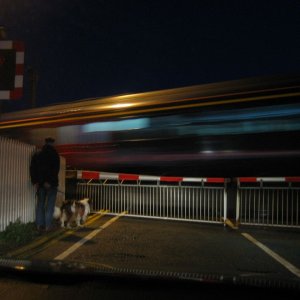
column 269, row 179
column 133, row 177
column 17, row 89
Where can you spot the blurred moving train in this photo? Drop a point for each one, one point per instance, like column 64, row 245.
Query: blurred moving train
column 247, row 127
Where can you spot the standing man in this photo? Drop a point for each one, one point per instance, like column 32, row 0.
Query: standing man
column 44, row 168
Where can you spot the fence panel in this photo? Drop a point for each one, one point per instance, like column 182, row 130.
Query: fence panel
column 275, row 205
column 17, row 195
column 189, row 203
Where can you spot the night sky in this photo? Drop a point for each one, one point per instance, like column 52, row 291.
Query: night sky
column 90, row 48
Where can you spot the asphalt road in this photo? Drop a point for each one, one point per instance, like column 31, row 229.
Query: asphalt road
column 203, row 253
column 169, row 246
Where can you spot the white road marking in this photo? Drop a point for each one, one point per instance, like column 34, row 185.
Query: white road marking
column 277, row 257
column 73, row 248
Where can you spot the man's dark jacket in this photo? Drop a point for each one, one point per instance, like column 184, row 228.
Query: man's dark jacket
column 44, row 166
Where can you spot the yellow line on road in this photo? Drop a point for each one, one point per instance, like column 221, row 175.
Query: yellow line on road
column 48, row 240
column 98, row 215
column 73, row 248
column 36, row 243
column 65, row 234
column 274, row 255
column 230, row 224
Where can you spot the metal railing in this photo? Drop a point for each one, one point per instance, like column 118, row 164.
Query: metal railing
column 258, row 201
column 199, row 203
column 268, row 202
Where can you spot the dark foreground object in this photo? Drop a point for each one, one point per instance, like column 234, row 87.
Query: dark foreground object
column 58, row 280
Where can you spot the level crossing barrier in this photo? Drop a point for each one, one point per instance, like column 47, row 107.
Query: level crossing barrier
column 158, row 197
column 268, row 201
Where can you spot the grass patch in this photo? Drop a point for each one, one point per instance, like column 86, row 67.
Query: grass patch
column 16, row 234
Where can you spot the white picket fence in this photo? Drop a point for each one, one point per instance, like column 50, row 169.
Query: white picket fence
column 17, row 195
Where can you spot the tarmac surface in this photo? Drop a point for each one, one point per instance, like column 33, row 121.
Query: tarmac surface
column 170, row 246
column 162, row 247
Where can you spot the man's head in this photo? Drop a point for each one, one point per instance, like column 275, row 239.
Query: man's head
column 49, row 140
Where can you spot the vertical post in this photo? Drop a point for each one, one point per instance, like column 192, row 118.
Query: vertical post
column 231, row 199
column 237, row 213
column 225, row 202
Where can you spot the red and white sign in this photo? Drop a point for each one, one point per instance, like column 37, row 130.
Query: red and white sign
column 11, row 69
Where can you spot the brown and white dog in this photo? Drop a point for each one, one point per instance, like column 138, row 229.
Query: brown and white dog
column 72, row 211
